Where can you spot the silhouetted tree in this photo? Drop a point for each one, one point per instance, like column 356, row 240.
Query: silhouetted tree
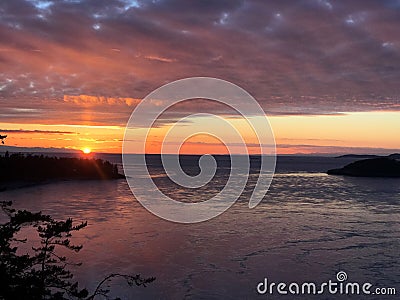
column 44, row 274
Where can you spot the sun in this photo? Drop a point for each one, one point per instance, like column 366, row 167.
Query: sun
column 86, row 150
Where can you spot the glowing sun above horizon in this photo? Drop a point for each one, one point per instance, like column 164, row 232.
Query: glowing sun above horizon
column 86, row 150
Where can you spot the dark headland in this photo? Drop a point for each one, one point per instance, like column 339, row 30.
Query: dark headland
column 19, row 170
column 380, row 166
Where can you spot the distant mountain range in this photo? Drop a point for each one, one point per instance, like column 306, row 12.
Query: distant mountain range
column 14, row 149
column 364, row 156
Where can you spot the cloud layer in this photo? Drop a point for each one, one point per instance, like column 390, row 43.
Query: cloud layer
column 295, row 57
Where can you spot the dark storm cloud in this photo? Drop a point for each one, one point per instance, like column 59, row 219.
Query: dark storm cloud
column 295, row 57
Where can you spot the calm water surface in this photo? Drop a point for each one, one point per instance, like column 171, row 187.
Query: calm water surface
column 308, row 227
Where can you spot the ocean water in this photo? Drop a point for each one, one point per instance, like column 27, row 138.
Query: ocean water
column 308, row 227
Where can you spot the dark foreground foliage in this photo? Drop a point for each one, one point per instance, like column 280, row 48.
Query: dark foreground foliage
column 44, row 273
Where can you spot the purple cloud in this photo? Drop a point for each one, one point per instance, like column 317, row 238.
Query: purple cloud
column 295, row 57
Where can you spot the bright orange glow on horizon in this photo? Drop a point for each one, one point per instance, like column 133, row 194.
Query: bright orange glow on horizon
column 366, row 132
column 86, row 150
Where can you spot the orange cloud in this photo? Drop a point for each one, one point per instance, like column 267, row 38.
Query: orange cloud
column 160, row 58
column 100, row 100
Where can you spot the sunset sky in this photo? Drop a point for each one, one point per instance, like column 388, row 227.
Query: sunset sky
column 326, row 73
